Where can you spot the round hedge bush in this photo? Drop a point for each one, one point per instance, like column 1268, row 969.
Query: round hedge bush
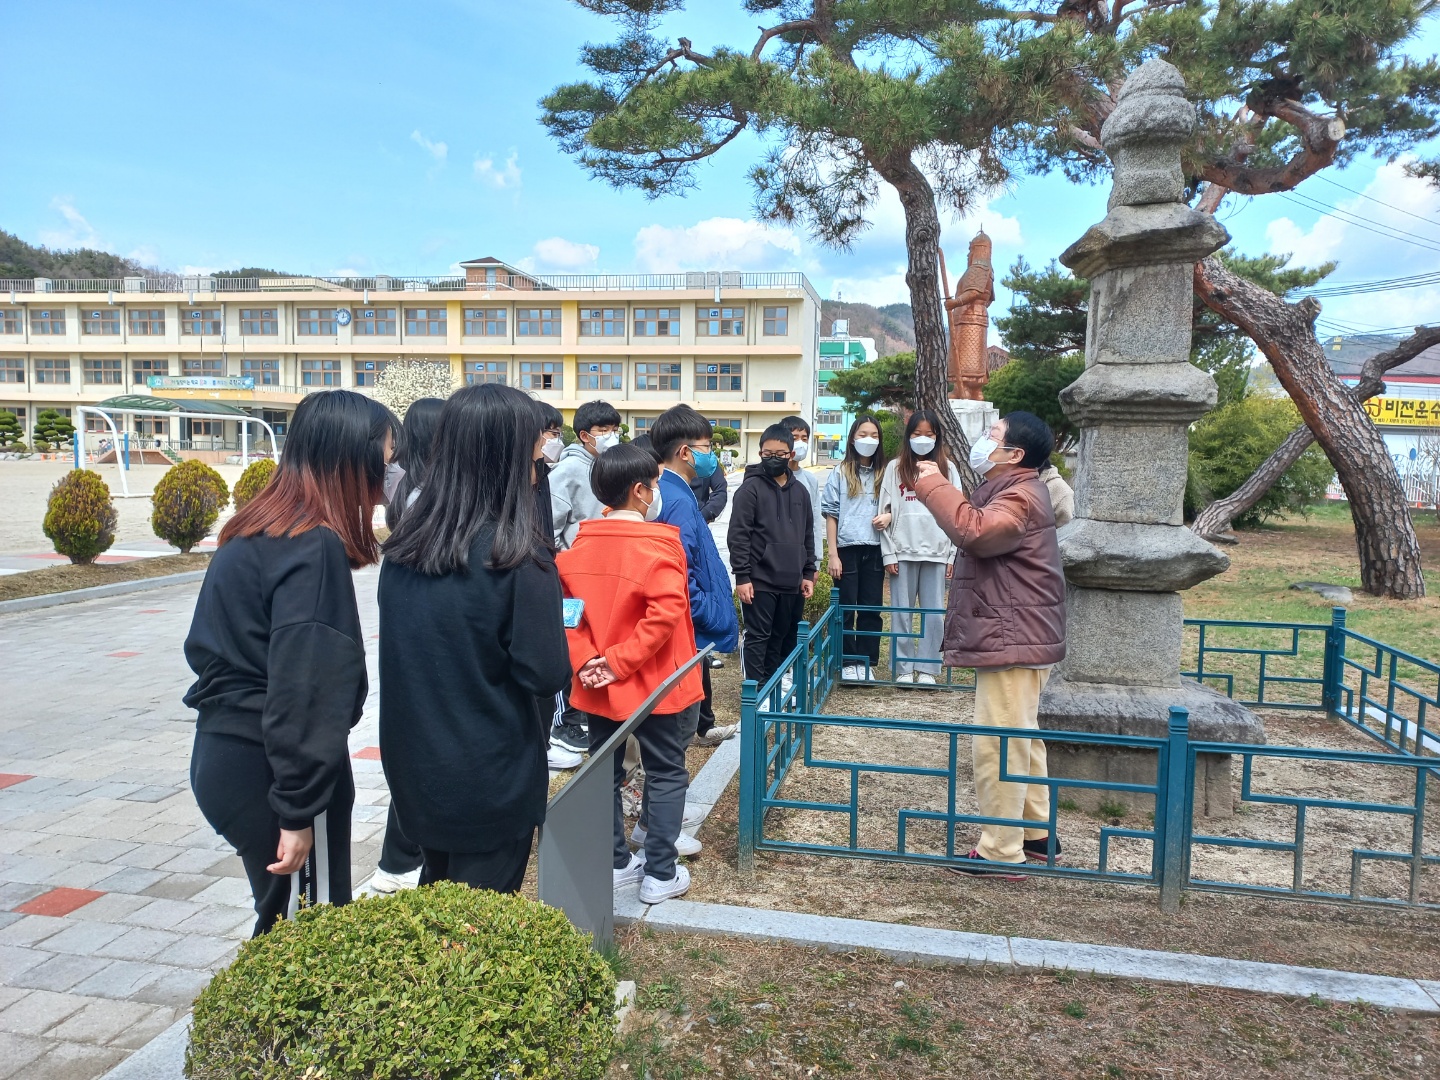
column 438, row 983
column 187, row 503
column 80, row 519
column 253, row 480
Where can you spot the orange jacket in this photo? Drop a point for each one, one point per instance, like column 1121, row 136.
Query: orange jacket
column 634, row 581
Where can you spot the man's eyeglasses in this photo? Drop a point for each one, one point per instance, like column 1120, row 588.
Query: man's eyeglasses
column 775, row 455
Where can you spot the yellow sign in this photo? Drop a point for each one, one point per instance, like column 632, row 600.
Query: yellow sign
column 1404, row 412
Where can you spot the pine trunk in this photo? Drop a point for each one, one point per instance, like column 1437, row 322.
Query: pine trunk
column 922, row 244
column 1384, row 533
column 1213, row 522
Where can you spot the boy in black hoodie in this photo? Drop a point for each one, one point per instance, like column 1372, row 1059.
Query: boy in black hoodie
column 772, row 554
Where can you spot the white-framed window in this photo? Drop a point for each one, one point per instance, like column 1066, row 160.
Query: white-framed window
column 541, row 375
column 204, row 366
column 657, row 322
column 425, row 322
column 102, row 372
column 832, row 363
column 602, row 322
column 48, row 321
column 12, row 370
column 640, row 425
column 141, row 370
column 259, row 322
column 478, row 372
column 601, row 376
column 657, row 376
column 264, row 372
column 487, row 322
column 200, row 322
column 826, row 416
column 537, row 322
column 728, row 377
column 103, row 322
column 777, row 321
column 52, row 370
column 773, row 395
column 720, row 322
column 146, row 322
column 377, row 321
column 320, row 373
column 315, row 322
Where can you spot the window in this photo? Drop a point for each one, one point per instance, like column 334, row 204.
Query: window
column 52, row 371
column 732, row 423
column 773, row 395
column 151, row 426
column 379, row 321
column 200, row 322
column 657, row 322
column 478, row 372
column 264, row 372
column 101, row 321
column 720, row 322
column 319, row 372
column 367, row 371
column 102, row 372
column 141, row 370
column 312, row 321
column 207, row 428
column 425, row 322
column 48, row 321
column 486, row 322
column 777, row 321
column 825, row 417
column 97, row 424
column 537, row 375
column 12, row 371
column 10, row 320
column 832, row 363
column 205, row 368
column 729, row 377
column 602, row 376
column 657, row 376
column 537, row 322
column 641, row 424
column 602, row 322
column 146, row 321
column 259, row 322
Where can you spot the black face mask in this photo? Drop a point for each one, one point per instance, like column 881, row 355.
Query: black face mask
column 775, row 466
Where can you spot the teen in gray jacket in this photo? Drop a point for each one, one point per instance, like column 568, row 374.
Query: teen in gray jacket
column 597, row 428
column 915, row 550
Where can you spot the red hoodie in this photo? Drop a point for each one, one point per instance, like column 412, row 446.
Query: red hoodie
column 633, row 578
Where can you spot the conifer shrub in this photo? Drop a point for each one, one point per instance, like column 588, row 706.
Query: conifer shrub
column 438, row 982
column 253, row 480
column 80, row 519
column 187, row 503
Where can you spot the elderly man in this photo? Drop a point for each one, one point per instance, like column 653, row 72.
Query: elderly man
column 1006, row 619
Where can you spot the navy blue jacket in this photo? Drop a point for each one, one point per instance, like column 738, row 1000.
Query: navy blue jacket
column 712, row 603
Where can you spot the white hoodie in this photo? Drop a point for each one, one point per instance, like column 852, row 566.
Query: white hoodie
column 913, row 535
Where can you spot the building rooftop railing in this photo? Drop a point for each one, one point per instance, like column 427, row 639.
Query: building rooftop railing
column 184, row 283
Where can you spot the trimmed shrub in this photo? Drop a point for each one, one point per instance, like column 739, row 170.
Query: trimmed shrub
column 253, row 480
column 438, row 982
column 187, row 503
column 820, row 598
column 53, row 429
column 11, row 433
column 80, row 519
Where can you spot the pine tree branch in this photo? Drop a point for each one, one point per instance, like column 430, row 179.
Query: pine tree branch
column 1319, row 143
column 776, row 31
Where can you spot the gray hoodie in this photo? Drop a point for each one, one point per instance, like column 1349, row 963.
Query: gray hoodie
column 852, row 514
column 913, row 534
column 811, row 483
column 571, row 499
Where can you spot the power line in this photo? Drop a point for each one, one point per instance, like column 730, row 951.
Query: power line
column 1360, row 222
column 1429, row 219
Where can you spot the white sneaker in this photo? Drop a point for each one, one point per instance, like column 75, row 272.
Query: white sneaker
column 716, row 735
column 684, row 844
column 786, row 685
column 694, row 815
column 905, row 676
column 560, row 758
column 633, row 873
column 925, row 678
column 850, row 673
column 871, row 675
column 385, row 883
column 654, row 891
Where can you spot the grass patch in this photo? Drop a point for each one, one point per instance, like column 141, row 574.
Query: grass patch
column 69, row 577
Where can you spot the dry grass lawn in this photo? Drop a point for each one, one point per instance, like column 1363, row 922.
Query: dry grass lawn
column 67, row 577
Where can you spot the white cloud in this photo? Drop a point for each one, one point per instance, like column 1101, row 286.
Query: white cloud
column 1308, row 247
column 437, row 150
column 506, row 175
column 557, row 253
column 878, row 290
column 189, row 270
column 77, row 231
column 715, row 244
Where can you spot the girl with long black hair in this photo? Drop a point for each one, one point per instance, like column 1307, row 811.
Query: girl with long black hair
column 279, row 659
column 471, row 637
column 849, row 504
column 412, row 453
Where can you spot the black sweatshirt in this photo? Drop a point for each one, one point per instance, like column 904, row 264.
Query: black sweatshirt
column 277, row 649
column 772, row 533
column 463, row 659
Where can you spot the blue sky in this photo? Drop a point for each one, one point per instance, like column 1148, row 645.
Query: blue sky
column 328, row 137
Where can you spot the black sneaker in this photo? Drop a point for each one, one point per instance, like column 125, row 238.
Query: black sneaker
column 572, row 737
column 716, row 661
column 972, row 865
column 1036, row 849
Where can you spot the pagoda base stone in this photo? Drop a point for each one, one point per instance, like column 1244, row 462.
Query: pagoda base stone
column 975, row 417
column 1214, row 785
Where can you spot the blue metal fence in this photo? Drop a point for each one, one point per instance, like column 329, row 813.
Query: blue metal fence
column 1388, row 694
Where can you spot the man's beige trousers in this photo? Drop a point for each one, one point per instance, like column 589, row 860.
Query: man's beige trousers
column 1009, row 698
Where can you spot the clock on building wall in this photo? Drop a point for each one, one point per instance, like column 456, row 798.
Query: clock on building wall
column 342, row 316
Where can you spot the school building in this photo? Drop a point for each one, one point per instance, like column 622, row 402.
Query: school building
column 838, row 352
column 740, row 347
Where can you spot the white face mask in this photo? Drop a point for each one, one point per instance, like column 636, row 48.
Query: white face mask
column 980, row 454
column 801, row 450
column 551, row 450
column 607, row 441
column 922, row 444
column 393, row 475
column 866, row 447
column 657, row 501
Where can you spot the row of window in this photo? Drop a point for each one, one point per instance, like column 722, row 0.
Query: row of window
column 419, row 322
column 548, row 375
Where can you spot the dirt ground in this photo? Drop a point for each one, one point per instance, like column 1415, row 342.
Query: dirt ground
column 25, row 487
column 708, row 1007
column 64, row 578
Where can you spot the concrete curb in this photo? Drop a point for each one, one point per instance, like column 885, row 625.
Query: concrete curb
column 918, row 944
column 162, row 1058
column 98, row 592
